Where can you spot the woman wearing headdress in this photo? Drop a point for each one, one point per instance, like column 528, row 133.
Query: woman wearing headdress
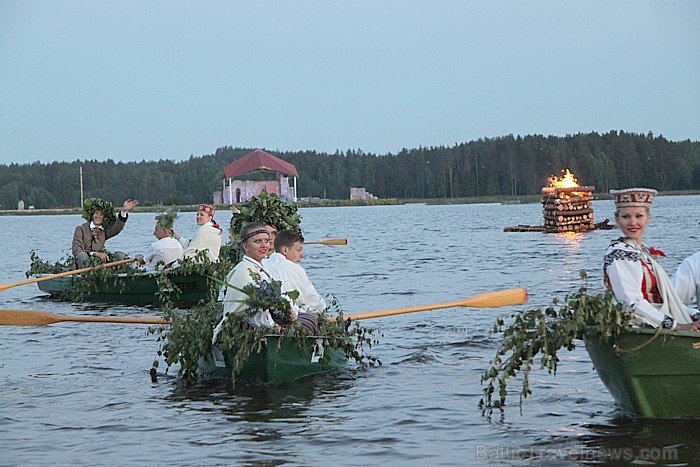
column 633, row 274
column 207, row 238
column 254, row 242
column 89, row 238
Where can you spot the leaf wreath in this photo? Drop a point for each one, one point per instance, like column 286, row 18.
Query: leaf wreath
column 98, row 204
column 267, row 209
column 166, row 220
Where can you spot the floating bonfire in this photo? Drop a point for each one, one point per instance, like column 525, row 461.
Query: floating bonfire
column 566, row 207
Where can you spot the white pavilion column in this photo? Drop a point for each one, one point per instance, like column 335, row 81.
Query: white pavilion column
column 295, row 190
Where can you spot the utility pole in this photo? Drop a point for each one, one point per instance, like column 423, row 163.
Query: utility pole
column 82, row 201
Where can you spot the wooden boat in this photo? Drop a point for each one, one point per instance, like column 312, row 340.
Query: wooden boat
column 650, row 375
column 283, row 360
column 133, row 289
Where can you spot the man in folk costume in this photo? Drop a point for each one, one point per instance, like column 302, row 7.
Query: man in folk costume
column 284, row 266
column 632, row 272
column 164, row 252
column 89, row 238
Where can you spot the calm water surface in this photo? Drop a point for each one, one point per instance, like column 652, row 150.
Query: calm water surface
column 80, row 393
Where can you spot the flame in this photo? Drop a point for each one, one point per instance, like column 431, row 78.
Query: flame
column 566, row 181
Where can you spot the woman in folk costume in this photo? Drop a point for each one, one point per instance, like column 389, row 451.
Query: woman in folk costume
column 632, row 273
column 207, row 238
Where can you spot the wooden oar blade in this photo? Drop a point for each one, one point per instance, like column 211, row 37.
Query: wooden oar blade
column 27, row 318
column 494, row 299
column 42, row 318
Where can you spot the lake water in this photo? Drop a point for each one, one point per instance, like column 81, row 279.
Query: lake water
column 80, row 393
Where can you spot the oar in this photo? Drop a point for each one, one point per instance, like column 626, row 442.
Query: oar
column 330, row 241
column 41, row 318
column 484, row 300
column 4, row 287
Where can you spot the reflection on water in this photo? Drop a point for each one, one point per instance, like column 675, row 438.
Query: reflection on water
column 570, row 241
column 82, row 393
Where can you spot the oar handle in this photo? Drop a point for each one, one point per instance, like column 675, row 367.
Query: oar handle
column 116, row 319
column 330, row 241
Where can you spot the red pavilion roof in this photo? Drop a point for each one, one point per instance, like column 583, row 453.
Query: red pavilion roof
column 259, row 160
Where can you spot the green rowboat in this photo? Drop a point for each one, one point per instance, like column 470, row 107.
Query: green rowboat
column 133, row 290
column 650, row 375
column 283, row 360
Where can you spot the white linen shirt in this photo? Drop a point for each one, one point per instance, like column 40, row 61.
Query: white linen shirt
column 206, row 238
column 686, row 280
column 294, row 277
column 240, row 277
column 624, row 271
column 165, row 251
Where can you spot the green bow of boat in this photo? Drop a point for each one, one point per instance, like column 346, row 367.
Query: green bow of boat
column 651, row 373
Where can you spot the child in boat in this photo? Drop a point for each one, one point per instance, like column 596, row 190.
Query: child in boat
column 164, row 252
column 632, row 273
column 284, row 266
column 89, row 238
column 207, row 238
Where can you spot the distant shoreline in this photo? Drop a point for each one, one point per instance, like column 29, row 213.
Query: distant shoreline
column 502, row 199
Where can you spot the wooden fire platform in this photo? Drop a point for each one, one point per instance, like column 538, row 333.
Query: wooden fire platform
column 604, row 225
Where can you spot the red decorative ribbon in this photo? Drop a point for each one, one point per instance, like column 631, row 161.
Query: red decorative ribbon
column 656, row 252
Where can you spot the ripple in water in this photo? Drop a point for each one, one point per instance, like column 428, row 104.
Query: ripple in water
column 81, row 393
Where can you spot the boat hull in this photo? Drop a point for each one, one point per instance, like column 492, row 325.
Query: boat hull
column 282, row 360
column 133, row 290
column 653, row 377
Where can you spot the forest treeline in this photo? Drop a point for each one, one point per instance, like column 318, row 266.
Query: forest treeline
column 505, row 165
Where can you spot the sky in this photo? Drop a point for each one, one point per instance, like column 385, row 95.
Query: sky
column 134, row 80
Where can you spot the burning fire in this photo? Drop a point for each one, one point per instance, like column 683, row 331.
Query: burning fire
column 566, row 181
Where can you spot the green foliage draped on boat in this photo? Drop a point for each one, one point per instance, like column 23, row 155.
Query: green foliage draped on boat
column 187, row 341
column 542, row 333
column 168, row 291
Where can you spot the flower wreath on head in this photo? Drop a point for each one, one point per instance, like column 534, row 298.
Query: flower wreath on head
column 166, row 220
column 98, row 204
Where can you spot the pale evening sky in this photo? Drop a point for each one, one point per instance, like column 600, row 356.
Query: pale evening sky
column 132, row 80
